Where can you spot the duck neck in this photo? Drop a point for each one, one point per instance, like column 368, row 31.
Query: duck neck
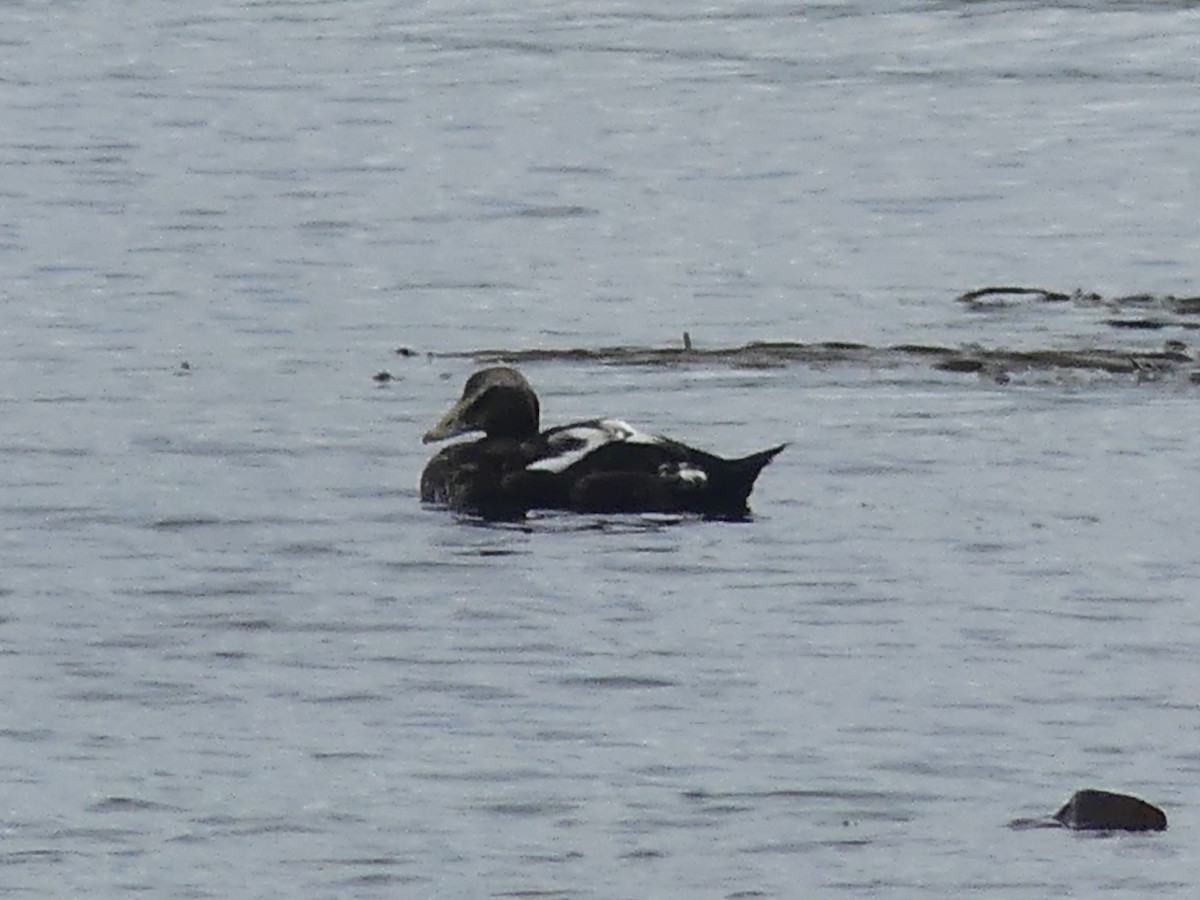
column 519, row 419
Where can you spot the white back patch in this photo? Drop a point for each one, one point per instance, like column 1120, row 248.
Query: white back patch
column 691, row 474
column 572, row 443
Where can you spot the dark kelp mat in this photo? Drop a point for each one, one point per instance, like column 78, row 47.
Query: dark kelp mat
column 994, row 362
column 1173, row 359
column 1150, row 311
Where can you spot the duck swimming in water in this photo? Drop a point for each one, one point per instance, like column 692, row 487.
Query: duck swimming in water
column 597, row 466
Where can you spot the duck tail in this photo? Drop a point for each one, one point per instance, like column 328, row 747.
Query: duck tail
column 749, row 466
column 736, row 480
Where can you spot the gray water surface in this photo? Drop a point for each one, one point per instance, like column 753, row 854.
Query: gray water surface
column 242, row 661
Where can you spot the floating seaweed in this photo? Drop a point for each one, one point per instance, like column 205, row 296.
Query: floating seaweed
column 778, row 354
column 993, row 297
column 1154, row 311
column 1147, row 312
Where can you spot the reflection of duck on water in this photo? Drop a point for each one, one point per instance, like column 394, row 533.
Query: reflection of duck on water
column 598, row 466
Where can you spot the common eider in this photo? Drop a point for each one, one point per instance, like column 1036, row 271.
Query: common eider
column 597, row 466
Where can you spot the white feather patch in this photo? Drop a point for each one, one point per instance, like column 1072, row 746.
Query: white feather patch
column 691, row 474
column 574, row 442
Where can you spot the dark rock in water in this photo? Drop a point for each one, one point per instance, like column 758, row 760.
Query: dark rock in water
column 1093, row 810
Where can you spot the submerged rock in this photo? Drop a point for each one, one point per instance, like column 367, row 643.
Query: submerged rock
column 1093, row 810
column 1104, row 811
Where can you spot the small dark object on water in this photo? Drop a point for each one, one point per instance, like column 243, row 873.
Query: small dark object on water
column 405, row 352
column 382, row 377
column 1093, row 810
column 959, row 364
column 994, row 296
column 1135, row 300
column 1144, row 324
column 597, row 466
column 687, row 341
column 185, row 368
column 1184, row 306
